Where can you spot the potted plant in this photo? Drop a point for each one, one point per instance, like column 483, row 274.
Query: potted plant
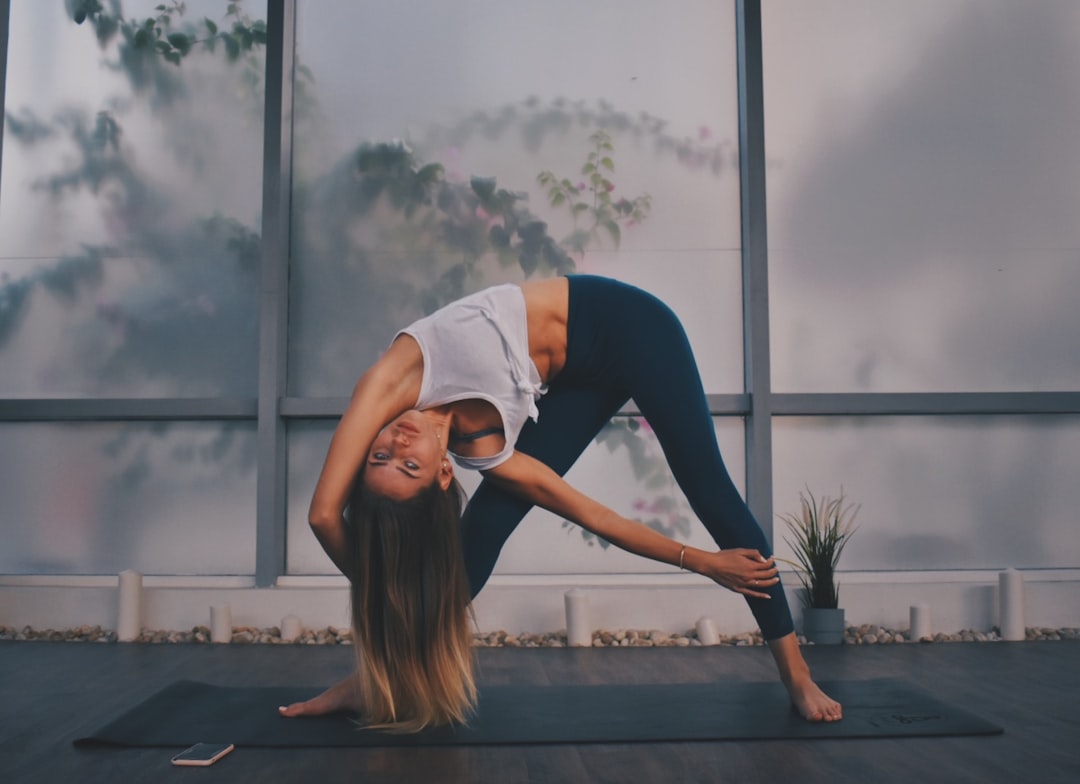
column 820, row 532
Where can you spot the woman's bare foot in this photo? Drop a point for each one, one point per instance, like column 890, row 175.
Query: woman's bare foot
column 341, row 697
column 809, row 700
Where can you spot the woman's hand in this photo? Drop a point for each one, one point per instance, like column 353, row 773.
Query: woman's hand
column 739, row 569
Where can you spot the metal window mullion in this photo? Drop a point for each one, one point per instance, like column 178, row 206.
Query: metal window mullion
column 5, row 24
column 126, row 409
column 805, row 404
column 334, row 407
column 926, row 404
column 754, row 262
column 273, row 294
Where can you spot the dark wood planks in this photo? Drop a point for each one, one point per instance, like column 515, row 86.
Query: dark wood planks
column 52, row 692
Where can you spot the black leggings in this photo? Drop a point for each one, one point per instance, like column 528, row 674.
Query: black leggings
column 624, row 343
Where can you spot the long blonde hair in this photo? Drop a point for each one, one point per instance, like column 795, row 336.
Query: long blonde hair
column 411, row 609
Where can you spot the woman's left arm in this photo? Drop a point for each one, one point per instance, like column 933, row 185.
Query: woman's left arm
column 741, row 570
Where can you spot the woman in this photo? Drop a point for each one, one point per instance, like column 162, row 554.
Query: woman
column 514, row 381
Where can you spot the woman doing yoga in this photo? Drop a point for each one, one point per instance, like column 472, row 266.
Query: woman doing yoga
column 514, row 381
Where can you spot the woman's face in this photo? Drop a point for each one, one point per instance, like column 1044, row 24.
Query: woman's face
column 406, row 457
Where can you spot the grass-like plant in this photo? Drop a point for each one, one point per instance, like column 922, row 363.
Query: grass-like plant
column 820, row 531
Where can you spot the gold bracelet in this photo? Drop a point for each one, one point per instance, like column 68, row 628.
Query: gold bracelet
column 682, row 554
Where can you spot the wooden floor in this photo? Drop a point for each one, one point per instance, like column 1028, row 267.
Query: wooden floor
column 51, row 693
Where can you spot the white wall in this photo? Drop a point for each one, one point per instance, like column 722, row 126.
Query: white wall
column 523, row 603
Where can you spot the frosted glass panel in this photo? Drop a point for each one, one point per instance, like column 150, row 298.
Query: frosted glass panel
column 129, row 205
column 100, row 498
column 307, row 445
column 542, row 544
column 923, row 187
column 941, row 493
column 423, row 179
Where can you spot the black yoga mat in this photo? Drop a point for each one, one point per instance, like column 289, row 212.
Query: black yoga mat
column 188, row 712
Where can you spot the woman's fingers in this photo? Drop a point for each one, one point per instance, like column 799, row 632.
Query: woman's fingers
column 753, row 587
column 761, row 573
column 745, row 571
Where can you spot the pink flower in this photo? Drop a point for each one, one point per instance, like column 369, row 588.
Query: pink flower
column 704, row 133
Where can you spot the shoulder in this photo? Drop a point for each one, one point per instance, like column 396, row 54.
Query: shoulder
column 399, row 372
column 549, row 294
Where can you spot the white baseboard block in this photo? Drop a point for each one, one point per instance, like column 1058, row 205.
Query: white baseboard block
column 534, row 603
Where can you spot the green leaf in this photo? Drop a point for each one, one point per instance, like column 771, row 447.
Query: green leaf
column 429, row 174
column 142, row 39
column 613, row 229
column 484, row 187
column 528, row 260
column 557, row 258
column 181, row 41
column 608, row 164
column 232, row 46
column 577, row 241
column 211, row 26
column 656, row 482
column 532, row 232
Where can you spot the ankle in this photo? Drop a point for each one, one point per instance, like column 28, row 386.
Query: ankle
column 795, row 674
column 790, row 663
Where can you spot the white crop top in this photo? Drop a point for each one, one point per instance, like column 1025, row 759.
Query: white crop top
column 478, row 348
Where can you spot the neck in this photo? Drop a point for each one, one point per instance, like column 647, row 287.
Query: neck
column 442, row 417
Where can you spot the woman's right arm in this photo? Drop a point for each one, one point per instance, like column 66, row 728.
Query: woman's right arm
column 740, row 570
column 390, row 387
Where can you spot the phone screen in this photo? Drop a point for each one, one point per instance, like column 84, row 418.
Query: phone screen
column 202, row 754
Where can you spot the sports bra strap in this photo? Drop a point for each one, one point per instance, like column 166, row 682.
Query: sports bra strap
column 477, row 435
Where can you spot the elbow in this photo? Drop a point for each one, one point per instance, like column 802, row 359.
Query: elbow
column 322, row 520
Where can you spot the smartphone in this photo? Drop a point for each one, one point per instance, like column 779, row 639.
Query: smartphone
column 202, row 754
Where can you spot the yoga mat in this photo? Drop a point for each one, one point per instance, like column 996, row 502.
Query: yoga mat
column 188, row 712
